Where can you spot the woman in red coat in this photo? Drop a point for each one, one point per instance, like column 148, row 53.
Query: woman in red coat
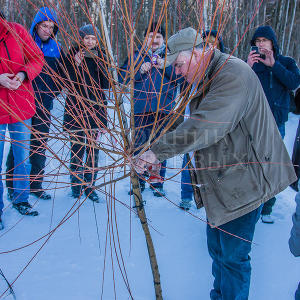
column 20, row 62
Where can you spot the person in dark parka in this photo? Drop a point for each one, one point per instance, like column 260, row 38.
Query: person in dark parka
column 155, row 89
column 278, row 75
column 43, row 30
column 85, row 109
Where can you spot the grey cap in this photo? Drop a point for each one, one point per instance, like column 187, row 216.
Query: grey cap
column 183, row 40
column 89, row 30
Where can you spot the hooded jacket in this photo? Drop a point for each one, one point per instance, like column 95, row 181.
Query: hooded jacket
column 152, row 87
column 18, row 52
column 45, row 85
column 233, row 134
column 278, row 80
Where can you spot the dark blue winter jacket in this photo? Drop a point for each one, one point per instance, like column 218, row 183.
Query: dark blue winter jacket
column 147, row 86
column 278, row 80
column 45, row 85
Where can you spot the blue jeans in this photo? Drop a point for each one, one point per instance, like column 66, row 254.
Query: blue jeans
column 186, row 187
column 267, row 208
column 143, row 126
column 20, row 142
column 231, row 261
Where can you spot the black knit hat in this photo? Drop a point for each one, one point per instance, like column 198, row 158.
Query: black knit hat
column 153, row 27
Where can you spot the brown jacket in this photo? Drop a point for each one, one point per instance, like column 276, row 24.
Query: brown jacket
column 241, row 160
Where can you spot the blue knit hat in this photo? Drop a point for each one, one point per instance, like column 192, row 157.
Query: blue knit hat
column 89, row 30
column 268, row 33
column 154, row 26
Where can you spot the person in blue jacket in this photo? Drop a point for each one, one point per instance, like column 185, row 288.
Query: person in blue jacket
column 44, row 30
column 278, row 75
column 155, row 91
column 212, row 39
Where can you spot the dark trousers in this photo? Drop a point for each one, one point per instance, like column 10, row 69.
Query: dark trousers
column 144, row 124
column 40, row 126
column 297, row 294
column 231, row 261
column 84, row 157
column 267, row 208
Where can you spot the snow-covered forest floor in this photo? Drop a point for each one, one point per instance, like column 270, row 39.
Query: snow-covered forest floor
column 79, row 262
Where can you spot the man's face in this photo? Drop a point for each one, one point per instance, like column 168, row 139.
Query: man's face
column 191, row 67
column 262, row 42
column 45, row 30
column 158, row 40
column 90, row 41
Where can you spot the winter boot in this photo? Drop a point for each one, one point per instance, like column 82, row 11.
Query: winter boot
column 92, row 195
column 76, row 190
column 89, row 191
column 24, row 208
column 268, row 219
column 158, row 191
column 185, row 204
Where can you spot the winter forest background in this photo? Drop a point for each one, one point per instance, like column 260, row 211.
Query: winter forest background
column 235, row 19
column 79, row 250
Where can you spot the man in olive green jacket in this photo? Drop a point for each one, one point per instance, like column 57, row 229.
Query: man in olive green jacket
column 241, row 161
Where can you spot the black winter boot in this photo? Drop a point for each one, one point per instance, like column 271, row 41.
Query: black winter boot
column 24, row 208
column 92, row 195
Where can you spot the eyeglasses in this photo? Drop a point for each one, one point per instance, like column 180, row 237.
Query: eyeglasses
column 45, row 27
column 258, row 41
column 179, row 65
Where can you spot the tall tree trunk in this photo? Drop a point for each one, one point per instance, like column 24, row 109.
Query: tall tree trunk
column 291, row 25
column 279, row 16
column 284, row 27
column 235, row 22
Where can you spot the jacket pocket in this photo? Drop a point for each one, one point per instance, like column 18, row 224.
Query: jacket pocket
column 238, row 182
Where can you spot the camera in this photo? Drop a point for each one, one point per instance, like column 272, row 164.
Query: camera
column 255, row 48
column 154, row 59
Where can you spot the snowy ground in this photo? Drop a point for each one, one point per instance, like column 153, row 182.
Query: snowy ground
column 72, row 263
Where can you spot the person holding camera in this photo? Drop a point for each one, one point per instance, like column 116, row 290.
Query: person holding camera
column 155, row 90
column 278, row 75
column 85, row 112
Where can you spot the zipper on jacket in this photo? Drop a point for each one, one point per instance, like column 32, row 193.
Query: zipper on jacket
column 1, row 42
column 271, row 80
column 7, row 50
